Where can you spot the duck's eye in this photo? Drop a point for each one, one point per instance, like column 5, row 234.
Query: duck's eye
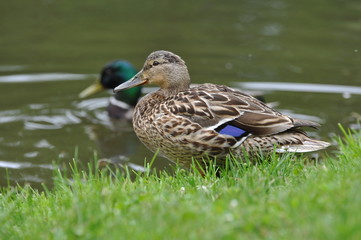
column 155, row 63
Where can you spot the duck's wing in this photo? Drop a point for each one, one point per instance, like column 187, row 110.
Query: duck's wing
column 225, row 109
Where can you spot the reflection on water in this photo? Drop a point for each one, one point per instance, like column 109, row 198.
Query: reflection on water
column 41, row 119
column 11, row 68
column 43, row 77
column 92, row 104
column 346, row 91
column 21, row 165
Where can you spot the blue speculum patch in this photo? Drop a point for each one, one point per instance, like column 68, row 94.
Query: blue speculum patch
column 232, row 130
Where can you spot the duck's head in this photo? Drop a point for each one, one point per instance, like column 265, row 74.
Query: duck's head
column 162, row 68
column 113, row 74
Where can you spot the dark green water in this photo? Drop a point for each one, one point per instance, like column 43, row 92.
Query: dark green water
column 230, row 42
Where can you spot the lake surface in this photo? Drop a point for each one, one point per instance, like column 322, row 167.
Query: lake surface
column 304, row 55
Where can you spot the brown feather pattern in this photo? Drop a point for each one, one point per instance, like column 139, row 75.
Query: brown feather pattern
column 181, row 122
column 178, row 124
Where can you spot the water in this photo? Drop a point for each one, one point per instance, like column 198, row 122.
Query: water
column 51, row 50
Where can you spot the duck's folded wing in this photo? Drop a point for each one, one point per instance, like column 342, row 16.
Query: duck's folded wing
column 216, row 106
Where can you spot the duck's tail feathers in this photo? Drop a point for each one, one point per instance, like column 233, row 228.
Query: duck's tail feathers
column 305, row 123
column 310, row 145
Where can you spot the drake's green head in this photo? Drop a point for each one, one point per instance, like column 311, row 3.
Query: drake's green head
column 113, row 74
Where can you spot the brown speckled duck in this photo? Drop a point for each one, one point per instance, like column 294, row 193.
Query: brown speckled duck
column 208, row 120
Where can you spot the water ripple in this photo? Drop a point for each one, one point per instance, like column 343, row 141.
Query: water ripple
column 44, row 77
column 93, row 103
column 50, row 122
column 43, row 144
column 39, row 119
column 22, row 165
column 300, row 87
column 11, row 68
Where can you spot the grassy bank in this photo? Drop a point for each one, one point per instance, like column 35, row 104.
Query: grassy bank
column 283, row 199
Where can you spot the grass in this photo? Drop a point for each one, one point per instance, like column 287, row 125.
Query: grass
column 280, row 199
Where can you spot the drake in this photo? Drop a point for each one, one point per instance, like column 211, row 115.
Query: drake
column 122, row 104
column 208, row 120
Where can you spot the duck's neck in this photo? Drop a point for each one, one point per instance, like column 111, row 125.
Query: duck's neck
column 177, row 81
column 167, row 92
column 153, row 99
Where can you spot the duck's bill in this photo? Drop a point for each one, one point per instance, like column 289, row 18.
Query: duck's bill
column 133, row 82
column 92, row 89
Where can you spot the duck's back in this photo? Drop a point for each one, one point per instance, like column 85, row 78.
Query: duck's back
column 212, row 120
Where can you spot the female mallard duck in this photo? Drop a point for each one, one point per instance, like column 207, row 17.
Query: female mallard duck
column 208, row 120
column 122, row 104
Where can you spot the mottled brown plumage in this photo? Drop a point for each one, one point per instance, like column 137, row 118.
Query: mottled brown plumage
column 208, row 120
